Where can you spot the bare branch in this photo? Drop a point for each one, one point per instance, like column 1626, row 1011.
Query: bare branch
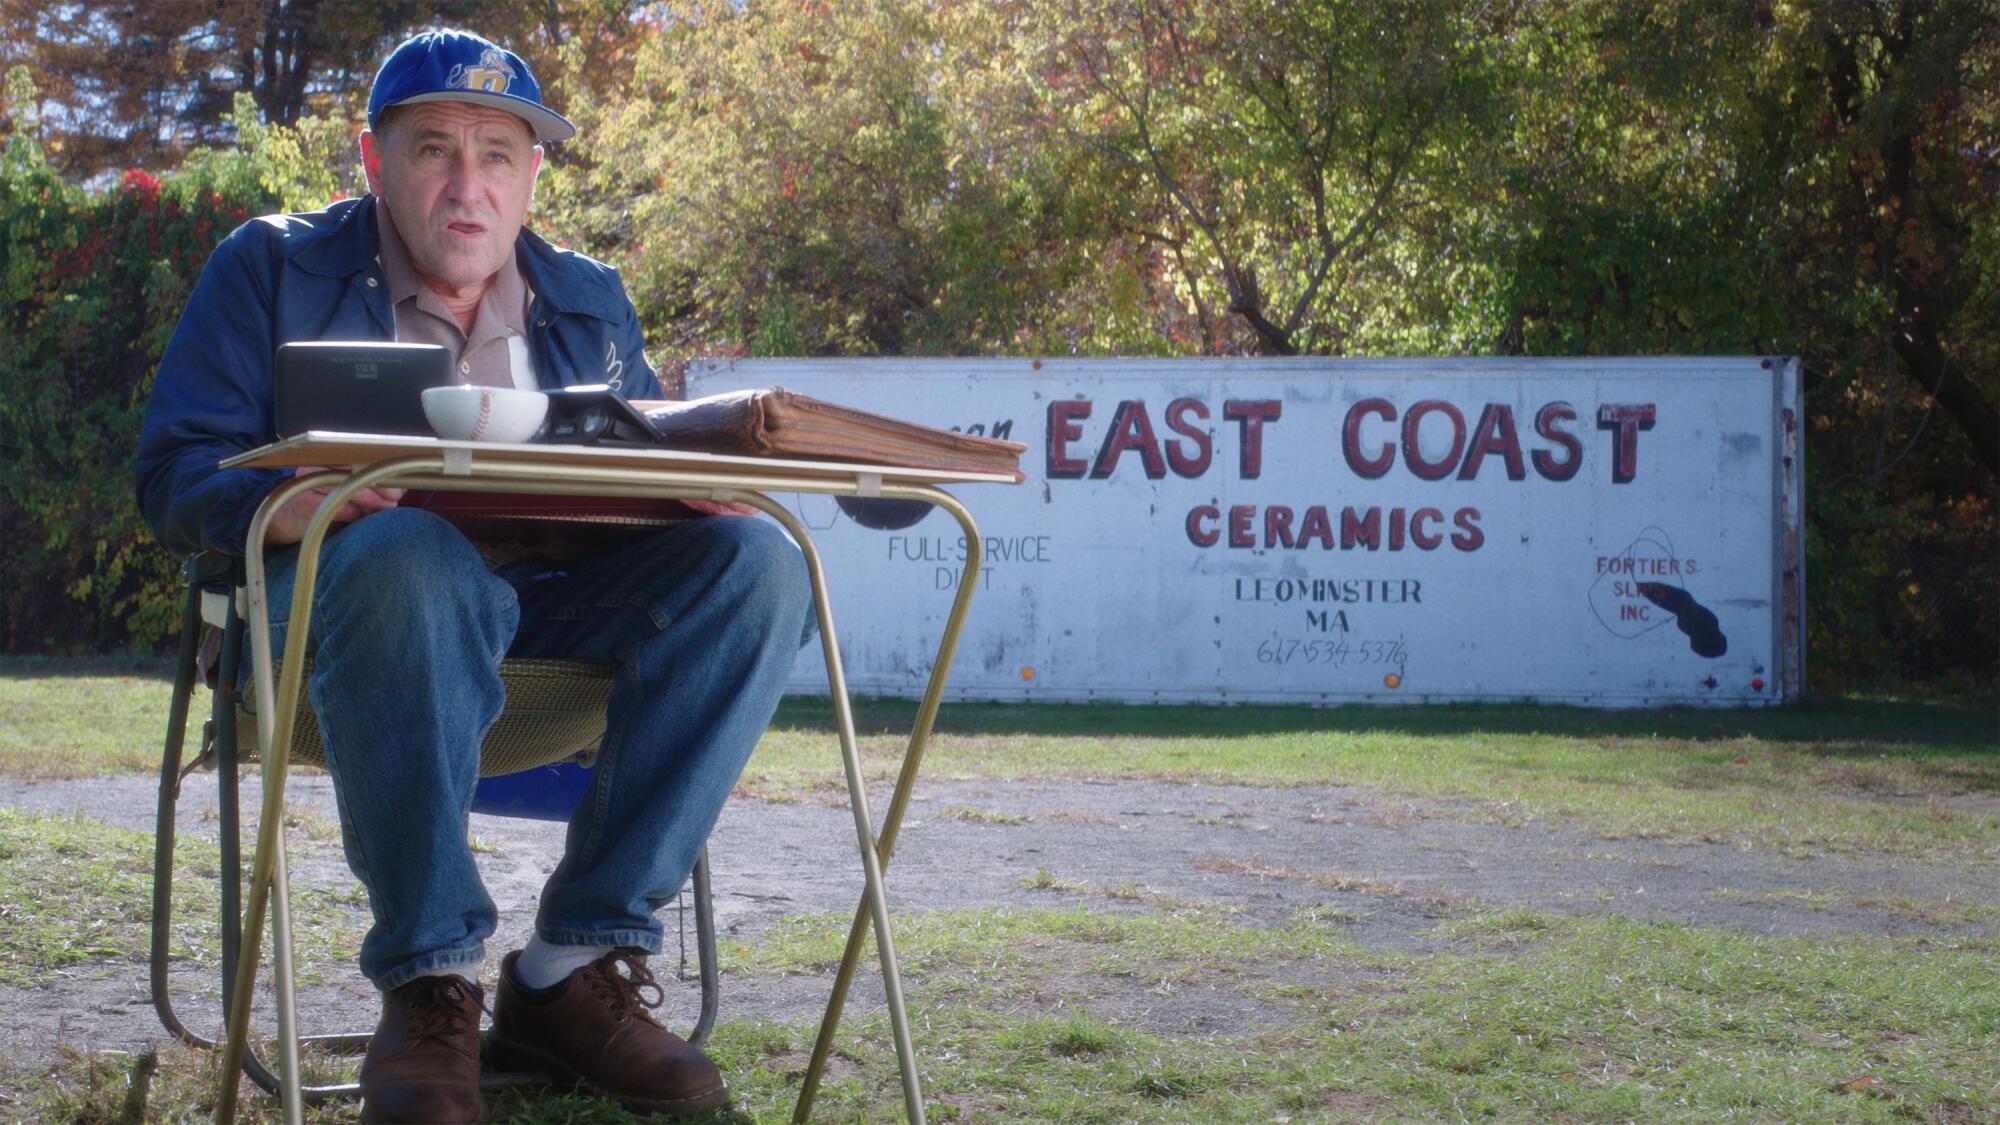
column 1362, row 223
column 1155, row 163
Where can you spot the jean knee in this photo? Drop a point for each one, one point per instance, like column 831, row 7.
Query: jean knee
column 765, row 566
column 409, row 568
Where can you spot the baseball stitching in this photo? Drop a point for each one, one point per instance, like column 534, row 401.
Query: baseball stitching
column 485, row 415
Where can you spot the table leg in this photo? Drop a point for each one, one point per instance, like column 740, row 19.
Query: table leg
column 874, row 903
column 293, row 1078
column 905, row 782
column 276, row 708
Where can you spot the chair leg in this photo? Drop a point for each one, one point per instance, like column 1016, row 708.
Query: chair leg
column 224, row 718
column 228, row 807
column 163, row 833
column 230, row 827
column 704, row 943
column 164, row 839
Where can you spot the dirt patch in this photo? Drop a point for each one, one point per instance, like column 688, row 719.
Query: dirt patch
column 1131, row 846
column 1331, row 879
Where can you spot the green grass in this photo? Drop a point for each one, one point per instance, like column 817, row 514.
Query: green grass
column 74, row 718
column 1929, row 911
column 1138, row 1007
column 1911, row 778
column 79, row 891
column 1067, row 1015
column 982, row 816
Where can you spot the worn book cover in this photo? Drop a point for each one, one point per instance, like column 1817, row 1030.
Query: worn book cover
column 770, row 422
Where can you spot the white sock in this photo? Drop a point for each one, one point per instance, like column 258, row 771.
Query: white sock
column 542, row 965
column 469, row 972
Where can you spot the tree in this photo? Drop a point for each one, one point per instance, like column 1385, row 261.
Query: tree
column 1808, row 178
column 821, row 179
column 143, row 82
column 91, row 284
column 1909, row 101
column 1274, row 147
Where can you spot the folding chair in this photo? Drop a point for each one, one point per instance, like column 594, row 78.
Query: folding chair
column 530, row 766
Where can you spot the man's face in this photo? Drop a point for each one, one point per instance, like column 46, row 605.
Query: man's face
column 457, row 179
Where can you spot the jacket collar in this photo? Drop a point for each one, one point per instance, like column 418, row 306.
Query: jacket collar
column 344, row 245
column 571, row 283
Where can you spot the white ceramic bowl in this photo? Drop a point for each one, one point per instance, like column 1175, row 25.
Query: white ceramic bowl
column 468, row 413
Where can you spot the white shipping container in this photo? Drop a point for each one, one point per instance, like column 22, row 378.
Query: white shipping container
column 1607, row 532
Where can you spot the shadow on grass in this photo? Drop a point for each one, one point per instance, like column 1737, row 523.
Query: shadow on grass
column 1827, row 727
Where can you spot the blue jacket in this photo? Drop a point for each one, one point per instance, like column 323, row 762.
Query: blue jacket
column 314, row 277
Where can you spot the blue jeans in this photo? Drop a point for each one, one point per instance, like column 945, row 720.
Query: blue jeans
column 408, row 630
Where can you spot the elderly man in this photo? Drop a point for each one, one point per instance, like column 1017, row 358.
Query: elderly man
column 702, row 620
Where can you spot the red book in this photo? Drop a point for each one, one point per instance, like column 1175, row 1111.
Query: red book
column 511, row 525
column 624, row 511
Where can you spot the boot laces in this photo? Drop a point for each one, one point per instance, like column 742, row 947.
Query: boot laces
column 626, row 993
column 444, row 1007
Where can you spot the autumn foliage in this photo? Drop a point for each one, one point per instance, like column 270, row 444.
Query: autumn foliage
column 93, row 282
column 1170, row 177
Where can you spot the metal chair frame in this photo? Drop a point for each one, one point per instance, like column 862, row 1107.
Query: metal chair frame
column 214, row 574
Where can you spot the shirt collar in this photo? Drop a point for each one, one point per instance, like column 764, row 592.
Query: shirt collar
column 397, row 270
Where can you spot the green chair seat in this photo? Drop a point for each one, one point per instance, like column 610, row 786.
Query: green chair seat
column 555, row 709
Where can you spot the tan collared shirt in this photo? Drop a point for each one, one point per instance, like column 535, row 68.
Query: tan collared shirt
column 496, row 353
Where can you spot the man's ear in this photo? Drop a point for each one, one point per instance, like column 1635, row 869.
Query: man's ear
column 534, row 174
column 371, row 161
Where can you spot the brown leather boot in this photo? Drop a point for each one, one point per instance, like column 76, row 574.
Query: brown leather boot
column 423, row 1063
column 594, row 1028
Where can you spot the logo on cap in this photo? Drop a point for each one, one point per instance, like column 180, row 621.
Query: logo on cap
column 491, row 76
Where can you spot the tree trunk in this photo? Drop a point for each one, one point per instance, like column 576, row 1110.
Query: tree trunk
column 1247, row 301
column 1923, row 355
column 1872, row 216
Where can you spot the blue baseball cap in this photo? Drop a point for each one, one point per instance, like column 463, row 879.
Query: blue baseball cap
column 458, row 66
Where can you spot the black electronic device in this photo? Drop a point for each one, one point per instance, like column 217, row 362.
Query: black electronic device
column 596, row 415
column 357, row 386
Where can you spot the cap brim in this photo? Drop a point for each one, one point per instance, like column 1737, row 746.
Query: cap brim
column 546, row 124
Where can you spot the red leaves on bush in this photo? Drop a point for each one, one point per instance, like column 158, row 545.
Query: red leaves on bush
column 89, row 308
column 138, row 183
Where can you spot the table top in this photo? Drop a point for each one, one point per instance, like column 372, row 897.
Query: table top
column 320, row 447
